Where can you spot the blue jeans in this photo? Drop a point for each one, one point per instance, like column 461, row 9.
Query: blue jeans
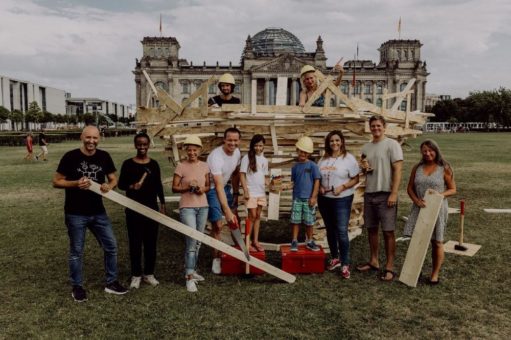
column 195, row 218
column 336, row 215
column 101, row 228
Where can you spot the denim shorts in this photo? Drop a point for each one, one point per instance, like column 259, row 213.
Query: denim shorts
column 215, row 212
column 302, row 212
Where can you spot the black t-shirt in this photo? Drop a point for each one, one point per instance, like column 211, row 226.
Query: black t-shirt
column 42, row 139
column 75, row 165
column 218, row 100
column 152, row 188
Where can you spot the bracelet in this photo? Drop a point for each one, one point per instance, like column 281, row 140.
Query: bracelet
column 236, row 193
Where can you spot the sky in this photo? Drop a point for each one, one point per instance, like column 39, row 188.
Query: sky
column 89, row 47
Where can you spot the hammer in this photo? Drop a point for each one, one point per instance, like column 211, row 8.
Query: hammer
column 460, row 245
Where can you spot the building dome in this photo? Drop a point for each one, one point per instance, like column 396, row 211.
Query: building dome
column 275, row 41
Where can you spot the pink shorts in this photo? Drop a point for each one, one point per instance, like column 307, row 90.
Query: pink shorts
column 253, row 202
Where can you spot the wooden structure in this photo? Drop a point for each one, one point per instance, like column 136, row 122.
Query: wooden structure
column 281, row 125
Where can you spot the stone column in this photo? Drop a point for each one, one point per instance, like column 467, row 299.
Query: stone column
column 294, row 88
column 267, row 91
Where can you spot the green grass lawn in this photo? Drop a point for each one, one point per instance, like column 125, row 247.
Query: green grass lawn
column 473, row 300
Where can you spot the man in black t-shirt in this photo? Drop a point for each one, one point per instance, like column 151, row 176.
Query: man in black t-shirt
column 43, row 144
column 226, row 84
column 84, row 209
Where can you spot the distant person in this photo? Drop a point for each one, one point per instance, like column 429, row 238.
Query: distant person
column 339, row 174
column 30, row 147
column 43, row 144
column 382, row 161
column 305, row 177
column 432, row 172
column 254, row 178
column 191, row 180
column 84, row 209
column 224, row 163
column 226, row 84
column 309, row 83
column 141, row 179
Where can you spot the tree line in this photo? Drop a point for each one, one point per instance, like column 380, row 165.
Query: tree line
column 34, row 114
column 481, row 106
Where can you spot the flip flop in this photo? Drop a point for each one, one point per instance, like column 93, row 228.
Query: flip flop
column 366, row 267
column 433, row 283
column 258, row 247
column 383, row 276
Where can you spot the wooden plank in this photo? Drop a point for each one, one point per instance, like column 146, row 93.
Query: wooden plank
column 401, row 95
column 274, row 198
column 421, row 238
column 316, row 94
column 186, row 230
column 197, row 93
column 498, row 211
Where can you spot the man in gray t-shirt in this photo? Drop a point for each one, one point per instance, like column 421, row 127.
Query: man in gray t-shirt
column 383, row 174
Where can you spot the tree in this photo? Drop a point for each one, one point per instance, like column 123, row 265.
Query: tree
column 16, row 117
column 444, row 109
column 33, row 114
column 4, row 114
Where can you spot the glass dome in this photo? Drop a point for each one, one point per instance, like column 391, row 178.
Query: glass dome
column 276, row 41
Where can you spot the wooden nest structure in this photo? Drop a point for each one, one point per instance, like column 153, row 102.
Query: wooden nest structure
column 281, row 125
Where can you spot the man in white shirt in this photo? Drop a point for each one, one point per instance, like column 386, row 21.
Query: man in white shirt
column 224, row 163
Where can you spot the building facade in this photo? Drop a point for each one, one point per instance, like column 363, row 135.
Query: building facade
column 275, row 52
column 95, row 105
column 17, row 94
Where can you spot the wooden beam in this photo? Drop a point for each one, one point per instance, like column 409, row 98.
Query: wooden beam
column 498, row 211
column 421, row 238
column 401, row 95
column 199, row 92
column 187, row 231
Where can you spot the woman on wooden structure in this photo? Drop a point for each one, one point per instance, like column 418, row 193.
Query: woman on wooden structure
column 254, row 179
column 339, row 174
column 309, row 83
column 191, row 180
column 140, row 178
column 432, row 172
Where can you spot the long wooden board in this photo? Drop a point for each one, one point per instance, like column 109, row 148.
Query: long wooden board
column 184, row 229
column 421, row 238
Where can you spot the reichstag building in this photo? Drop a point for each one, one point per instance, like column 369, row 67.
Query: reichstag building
column 275, row 52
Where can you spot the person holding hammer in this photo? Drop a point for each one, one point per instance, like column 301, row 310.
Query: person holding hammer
column 140, row 178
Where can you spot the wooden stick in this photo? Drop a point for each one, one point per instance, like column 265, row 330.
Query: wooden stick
column 186, row 230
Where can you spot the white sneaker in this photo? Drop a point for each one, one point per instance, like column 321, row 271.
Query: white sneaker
column 197, row 277
column 216, row 267
column 191, row 286
column 135, row 282
column 151, row 280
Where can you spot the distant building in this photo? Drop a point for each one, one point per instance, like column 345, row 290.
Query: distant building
column 275, row 52
column 17, row 94
column 95, row 105
column 432, row 99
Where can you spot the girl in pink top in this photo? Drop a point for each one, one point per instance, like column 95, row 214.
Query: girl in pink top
column 191, row 180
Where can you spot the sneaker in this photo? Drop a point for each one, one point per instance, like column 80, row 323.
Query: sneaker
column 135, row 282
column 115, row 288
column 79, row 294
column 36, row 158
column 294, row 245
column 345, row 271
column 197, row 277
column 311, row 245
column 403, row 239
column 216, row 266
column 333, row 263
column 151, row 280
column 191, row 285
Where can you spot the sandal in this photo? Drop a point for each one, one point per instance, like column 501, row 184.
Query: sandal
column 383, row 276
column 366, row 267
column 258, row 247
column 433, row 283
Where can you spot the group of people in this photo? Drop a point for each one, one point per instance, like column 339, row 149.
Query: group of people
column 43, row 145
column 210, row 191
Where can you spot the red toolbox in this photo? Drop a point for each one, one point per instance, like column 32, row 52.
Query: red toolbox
column 233, row 266
column 303, row 261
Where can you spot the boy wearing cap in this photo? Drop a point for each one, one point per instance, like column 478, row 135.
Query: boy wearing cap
column 305, row 177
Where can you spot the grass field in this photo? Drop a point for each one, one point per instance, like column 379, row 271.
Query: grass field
column 473, row 300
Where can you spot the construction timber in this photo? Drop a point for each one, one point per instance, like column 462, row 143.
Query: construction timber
column 281, row 126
